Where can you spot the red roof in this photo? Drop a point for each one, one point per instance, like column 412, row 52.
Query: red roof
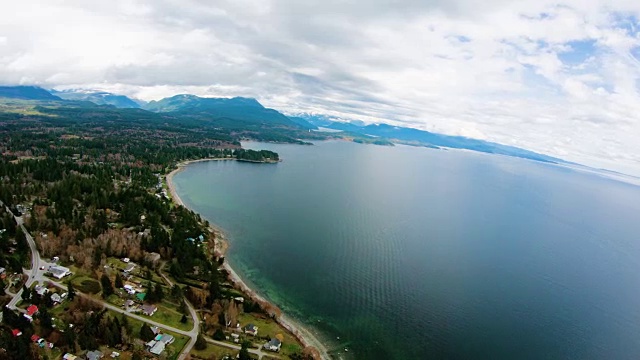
column 34, row 337
column 16, row 332
column 32, row 310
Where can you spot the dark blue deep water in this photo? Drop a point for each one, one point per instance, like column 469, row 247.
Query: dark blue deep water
column 414, row 253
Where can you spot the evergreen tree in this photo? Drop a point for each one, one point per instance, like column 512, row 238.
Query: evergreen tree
column 176, row 292
column 107, row 288
column 146, row 333
column 2, row 286
column 183, row 319
column 26, row 293
column 219, row 335
column 118, row 282
column 158, row 292
column 244, row 351
column 45, row 319
column 201, row 343
column 71, row 291
column 70, row 338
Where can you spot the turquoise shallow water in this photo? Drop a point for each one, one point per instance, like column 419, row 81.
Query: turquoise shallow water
column 419, row 253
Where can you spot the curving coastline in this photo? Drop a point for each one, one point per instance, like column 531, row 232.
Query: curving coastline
column 301, row 333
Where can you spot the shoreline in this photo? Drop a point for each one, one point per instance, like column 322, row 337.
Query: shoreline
column 303, row 335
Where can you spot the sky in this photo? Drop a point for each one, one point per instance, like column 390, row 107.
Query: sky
column 556, row 77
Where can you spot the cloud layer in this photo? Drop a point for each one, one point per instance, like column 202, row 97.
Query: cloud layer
column 560, row 78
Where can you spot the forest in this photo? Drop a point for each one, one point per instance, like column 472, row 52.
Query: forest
column 88, row 183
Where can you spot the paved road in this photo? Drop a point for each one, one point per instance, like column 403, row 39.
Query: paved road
column 258, row 352
column 194, row 316
column 35, row 274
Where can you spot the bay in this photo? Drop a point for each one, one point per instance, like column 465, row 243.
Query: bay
column 406, row 252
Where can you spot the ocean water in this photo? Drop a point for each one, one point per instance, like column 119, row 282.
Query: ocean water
column 414, row 253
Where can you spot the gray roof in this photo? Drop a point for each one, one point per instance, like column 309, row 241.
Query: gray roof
column 148, row 309
column 158, row 348
column 94, row 355
column 166, row 338
column 274, row 342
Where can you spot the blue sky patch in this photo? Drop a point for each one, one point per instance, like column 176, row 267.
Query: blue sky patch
column 580, row 51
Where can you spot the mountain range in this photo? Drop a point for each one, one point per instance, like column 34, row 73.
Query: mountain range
column 99, row 98
column 246, row 118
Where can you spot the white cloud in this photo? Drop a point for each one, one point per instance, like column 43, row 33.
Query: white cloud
column 558, row 78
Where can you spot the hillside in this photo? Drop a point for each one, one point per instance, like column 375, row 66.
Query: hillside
column 98, row 97
column 26, row 93
column 228, row 112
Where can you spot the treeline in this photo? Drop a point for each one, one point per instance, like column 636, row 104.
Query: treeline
column 257, row 156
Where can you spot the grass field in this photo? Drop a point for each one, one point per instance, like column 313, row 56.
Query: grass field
column 268, row 327
column 213, row 350
column 172, row 351
column 86, row 284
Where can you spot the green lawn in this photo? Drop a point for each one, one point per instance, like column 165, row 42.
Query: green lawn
column 269, row 327
column 212, row 349
column 86, row 284
column 172, row 350
column 169, row 315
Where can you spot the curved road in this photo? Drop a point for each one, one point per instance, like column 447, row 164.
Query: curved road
column 37, row 275
column 194, row 316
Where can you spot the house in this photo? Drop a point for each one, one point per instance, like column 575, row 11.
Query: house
column 69, row 356
column 59, row 272
column 155, row 330
column 236, row 337
column 125, row 260
column 16, row 332
column 32, row 310
column 165, row 338
column 41, row 290
column 273, row 345
column 94, row 355
column 56, row 298
column 129, row 267
column 129, row 303
column 141, row 296
column 158, row 348
column 152, row 257
column 35, row 338
column 129, row 289
column 251, row 330
column 149, row 310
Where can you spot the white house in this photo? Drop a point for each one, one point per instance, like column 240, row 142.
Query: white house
column 59, row 272
column 273, row 345
column 157, row 348
column 129, row 289
column 41, row 290
column 56, row 298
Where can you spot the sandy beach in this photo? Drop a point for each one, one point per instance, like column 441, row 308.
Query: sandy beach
column 302, row 334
